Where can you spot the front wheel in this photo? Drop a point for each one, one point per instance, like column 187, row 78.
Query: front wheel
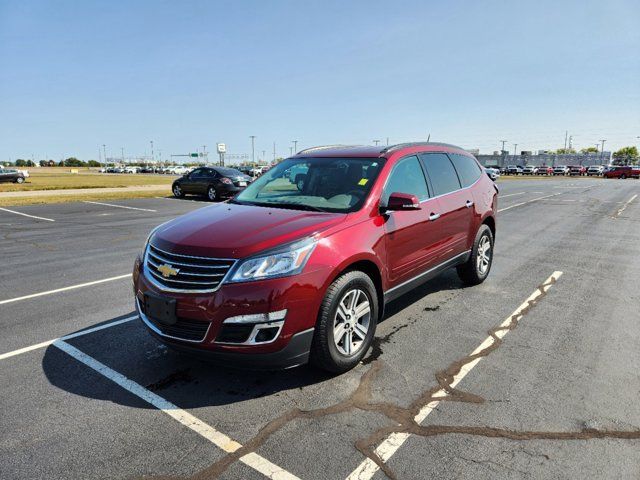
column 477, row 268
column 212, row 194
column 346, row 323
column 177, row 191
column 20, row 180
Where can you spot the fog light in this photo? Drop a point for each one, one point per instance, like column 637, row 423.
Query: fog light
column 258, row 317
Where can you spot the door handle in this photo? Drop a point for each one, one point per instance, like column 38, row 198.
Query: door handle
column 434, row 216
column 469, row 204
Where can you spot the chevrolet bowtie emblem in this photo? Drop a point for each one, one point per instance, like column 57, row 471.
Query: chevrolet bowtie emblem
column 168, row 271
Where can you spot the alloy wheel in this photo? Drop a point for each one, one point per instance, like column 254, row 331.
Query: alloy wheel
column 177, row 191
column 352, row 321
column 484, row 255
column 211, row 193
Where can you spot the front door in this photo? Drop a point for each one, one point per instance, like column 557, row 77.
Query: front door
column 412, row 237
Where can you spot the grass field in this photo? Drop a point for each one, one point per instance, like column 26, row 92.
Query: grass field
column 58, row 180
column 97, row 196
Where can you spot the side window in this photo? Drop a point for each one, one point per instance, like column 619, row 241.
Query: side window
column 443, row 176
column 467, row 168
column 406, row 177
column 198, row 172
column 211, row 173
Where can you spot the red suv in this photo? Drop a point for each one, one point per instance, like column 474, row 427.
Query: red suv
column 289, row 272
column 624, row 171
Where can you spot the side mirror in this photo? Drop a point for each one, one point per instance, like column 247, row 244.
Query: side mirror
column 402, row 201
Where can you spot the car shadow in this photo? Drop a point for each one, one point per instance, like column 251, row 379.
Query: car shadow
column 129, row 350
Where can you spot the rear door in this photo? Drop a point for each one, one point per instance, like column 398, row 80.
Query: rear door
column 190, row 182
column 412, row 239
column 456, row 202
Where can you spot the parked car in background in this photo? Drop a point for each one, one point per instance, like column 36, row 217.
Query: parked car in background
column 621, row 171
column 213, row 182
column 180, row 170
column 12, row 175
column 255, row 172
column 578, row 170
column 545, row 170
column 561, row 170
column 595, row 170
column 278, row 277
column 494, row 173
column 131, row 169
column 530, row 170
column 514, row 170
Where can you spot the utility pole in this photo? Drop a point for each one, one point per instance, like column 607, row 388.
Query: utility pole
column 376, row 142
column 264, row 157
column 566, row 132
column 99, row 155
column 253, row 154
column 387, row 141
column 503, row 142
column 291, row 151
column 428, row 138
column 295, row 145
column 152, row 157
column 122, row 152
column 602, row 150
column 515, row 149
column 274, row 152
column 104, row 151
column 570, row 141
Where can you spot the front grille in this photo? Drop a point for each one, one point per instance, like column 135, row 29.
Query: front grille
column 183, row 329
column 187, row 273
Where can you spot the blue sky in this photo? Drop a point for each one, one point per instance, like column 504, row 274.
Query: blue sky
column 78, row 74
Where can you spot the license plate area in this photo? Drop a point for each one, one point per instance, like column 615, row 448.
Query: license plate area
column 161, row 309
column 242, row 184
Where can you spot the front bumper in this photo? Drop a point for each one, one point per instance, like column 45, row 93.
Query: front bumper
column 299, row 295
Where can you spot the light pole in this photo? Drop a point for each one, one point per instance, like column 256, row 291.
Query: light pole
column 152, row 157
column 104, row 153
column 253, row 146
column 291, row 151
column 295, row 145
column 602, row 151
column 122, row 152
column 503, row 142
column 376, row 142
column 515, row 149
column 264, row 156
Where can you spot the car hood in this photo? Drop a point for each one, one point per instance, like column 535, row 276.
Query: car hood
column 237, row 231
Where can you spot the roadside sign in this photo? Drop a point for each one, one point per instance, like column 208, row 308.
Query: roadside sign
column 222, row 148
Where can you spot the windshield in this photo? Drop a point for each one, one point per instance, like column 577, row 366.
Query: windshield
column 318, row 184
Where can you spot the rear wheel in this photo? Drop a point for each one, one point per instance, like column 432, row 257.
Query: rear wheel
column 212, row 194
column 623, row 176
column 477, row 268
column 346, row 323
column 20, row 180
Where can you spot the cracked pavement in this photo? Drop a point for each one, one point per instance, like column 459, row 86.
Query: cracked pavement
column 556, row 398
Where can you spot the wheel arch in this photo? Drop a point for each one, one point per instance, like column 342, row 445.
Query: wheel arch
column 370, row 268
column 491, row 223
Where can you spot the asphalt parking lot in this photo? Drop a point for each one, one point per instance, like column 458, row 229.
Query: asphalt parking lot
column 533, row 374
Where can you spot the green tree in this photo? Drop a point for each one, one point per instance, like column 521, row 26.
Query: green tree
column 589, row 150
column 94, row 163
column 73, row 162
column 562, row 151
column 21, row 163
column 626, row 155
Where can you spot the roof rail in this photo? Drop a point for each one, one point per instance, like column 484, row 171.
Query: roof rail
column 323, row 147
column 390, row 148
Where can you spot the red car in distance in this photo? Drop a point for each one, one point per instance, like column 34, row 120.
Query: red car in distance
column 622, row 171
column 290, row 272
column 545, row 170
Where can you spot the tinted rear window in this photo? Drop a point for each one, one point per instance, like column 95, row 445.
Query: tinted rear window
column 467, row 168
column 441, row 173
column 228, row 172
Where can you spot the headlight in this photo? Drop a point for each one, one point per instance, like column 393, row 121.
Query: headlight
column 278, row 264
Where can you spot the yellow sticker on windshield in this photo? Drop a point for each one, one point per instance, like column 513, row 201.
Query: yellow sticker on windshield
column 363, row 182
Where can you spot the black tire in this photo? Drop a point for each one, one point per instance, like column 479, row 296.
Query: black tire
column 324, row 352
column 20, row 180
column 212, row 193
column 623, row 176
column 177, row 190
column 470, row 272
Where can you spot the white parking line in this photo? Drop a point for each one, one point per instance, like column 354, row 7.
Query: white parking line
column 206, row 431
column 64, row 289
column 26, row 215
column 120, row 206
column 66, row 337
column 529, row 201
column 368, row 468
column 511, row 195
column 625, row 206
